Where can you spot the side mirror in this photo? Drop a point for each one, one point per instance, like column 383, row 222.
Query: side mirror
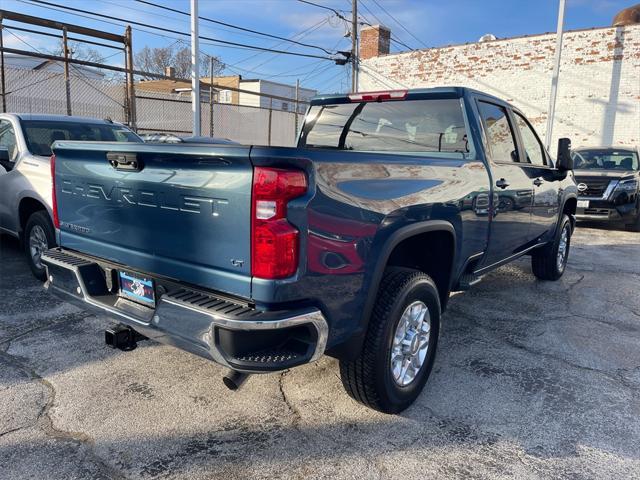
column 564, row 161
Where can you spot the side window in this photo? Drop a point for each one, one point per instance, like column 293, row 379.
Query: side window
column 8, row 139
column 499, row 133
column 532, row 146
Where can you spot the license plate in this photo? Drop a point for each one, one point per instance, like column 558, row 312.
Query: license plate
column 137, row 288
column 583, row 203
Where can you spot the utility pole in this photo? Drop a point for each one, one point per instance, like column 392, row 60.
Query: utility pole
column 195, row 69
column 354, row 45
column 556, row 74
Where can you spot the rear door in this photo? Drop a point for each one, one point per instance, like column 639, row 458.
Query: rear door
column 183, row 212
column 546, row 196
column 512, row 198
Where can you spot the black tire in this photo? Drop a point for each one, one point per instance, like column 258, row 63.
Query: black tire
column 38, row 224
column 368, row 378
column 545, row 262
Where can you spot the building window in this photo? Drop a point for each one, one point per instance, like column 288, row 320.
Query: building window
column 224, row 96
column 285, row 107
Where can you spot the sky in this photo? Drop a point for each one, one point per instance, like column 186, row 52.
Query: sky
column 427, row 23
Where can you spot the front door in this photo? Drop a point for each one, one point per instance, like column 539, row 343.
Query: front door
column 512, row 198
column 546, row 195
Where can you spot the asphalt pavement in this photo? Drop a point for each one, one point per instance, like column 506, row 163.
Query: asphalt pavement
column 532, row 380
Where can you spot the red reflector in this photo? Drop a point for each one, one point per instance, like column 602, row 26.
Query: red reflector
column 54, row 199
column 275, row 249
column 378, row 96
column 274, row 241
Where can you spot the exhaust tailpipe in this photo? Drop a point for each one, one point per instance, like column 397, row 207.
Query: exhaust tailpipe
column 233, row 379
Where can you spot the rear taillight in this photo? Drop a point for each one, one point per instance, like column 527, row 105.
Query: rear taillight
column 54, row 200
column 274, row 241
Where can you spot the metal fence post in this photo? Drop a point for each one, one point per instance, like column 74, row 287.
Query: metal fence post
column 295, row 133
column 127, row 103
column 2, row 73
column 129, row 75
column 67, row 80
column 269, row 123
column 210, row 96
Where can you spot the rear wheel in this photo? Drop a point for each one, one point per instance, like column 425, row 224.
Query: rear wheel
column 550, row 261
column 39, row 236
column 400, row 343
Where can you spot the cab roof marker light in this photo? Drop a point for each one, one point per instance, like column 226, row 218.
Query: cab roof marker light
column 379, row 96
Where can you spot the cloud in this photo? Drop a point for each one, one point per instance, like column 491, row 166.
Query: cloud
column 26, row 41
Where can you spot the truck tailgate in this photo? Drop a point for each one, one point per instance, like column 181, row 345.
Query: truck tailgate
column 179, row 211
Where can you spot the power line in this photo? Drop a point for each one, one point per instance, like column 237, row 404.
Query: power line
column 236, row 26
column 392, row 38
column 399, row 23
column 363, row 21
column 77, row 69
column 172, row 18
column 336, row 12
column 302, row 34
column 184, row 34
column 75, row 12
column 315, row 69
column 138, row 29
column 383, row 77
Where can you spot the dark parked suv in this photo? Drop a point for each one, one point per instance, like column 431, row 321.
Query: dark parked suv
column 608, row 185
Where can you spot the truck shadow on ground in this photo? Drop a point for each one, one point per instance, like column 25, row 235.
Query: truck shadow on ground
column 529, row 376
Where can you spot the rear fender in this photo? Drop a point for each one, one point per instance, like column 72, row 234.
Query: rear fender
column 380, row 253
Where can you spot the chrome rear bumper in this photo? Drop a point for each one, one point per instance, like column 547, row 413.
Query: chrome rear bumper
column 229, row 332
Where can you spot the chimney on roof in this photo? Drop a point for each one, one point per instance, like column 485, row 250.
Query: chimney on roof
column 374, row 41
column 170, row 71
column 628, row 16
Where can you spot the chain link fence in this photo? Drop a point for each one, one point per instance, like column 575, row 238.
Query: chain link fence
column 171, row 113
column 101, row 93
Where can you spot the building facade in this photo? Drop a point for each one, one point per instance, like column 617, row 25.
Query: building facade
column 232, row 95
column 277, row 89
column 598, row 99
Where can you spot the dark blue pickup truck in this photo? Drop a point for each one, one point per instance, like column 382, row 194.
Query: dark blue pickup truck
column 265, row 258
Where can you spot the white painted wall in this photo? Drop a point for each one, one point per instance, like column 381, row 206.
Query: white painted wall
column 598, row 93
column 273, row 88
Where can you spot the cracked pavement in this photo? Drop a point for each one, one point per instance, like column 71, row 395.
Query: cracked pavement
column 532, row 380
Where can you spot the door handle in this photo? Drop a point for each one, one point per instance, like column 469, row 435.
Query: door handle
column 502, row 183
column 537, row 182
column 124, row 161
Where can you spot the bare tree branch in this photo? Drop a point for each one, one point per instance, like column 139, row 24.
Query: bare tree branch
column 157, row 59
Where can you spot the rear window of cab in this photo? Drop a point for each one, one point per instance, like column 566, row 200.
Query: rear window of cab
column 433, row 126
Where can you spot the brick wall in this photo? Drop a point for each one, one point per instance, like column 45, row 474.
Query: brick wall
column 374, row 40
column 598, row 99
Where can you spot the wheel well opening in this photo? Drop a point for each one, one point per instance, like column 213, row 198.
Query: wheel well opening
column 431, row 253
column 569, row 208
column 28, row 207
